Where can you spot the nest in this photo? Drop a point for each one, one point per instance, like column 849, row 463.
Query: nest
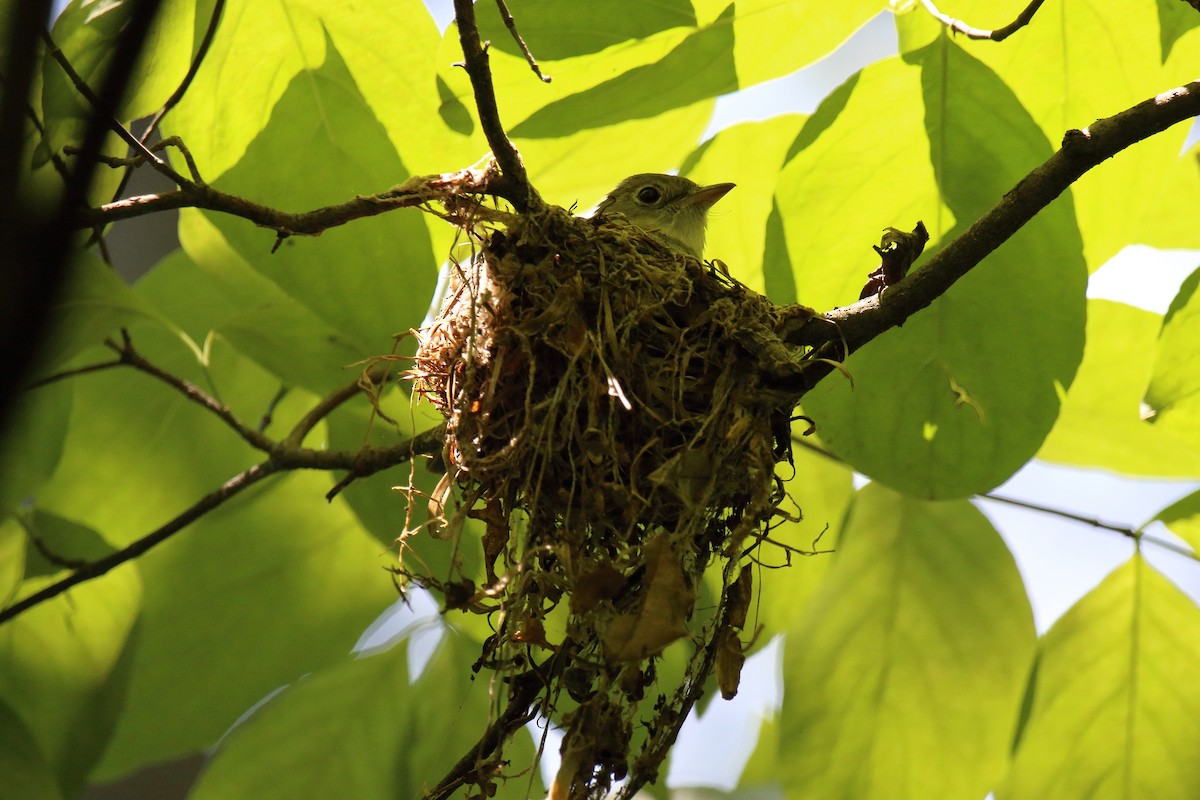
column 616, row 411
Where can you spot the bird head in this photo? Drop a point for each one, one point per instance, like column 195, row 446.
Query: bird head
column 675, row 208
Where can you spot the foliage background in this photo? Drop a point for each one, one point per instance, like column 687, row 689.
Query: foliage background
column 911, row 662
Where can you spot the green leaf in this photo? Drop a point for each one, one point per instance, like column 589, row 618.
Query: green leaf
column 31, row 444
column 822, row 491
column 27, row 776
column 583, row 163
column 1174, row 20
column 553, row 30
column 265, row 590
column 951, row 403
column 1101, row 423
column 225, row 296
column 750, row 154
column 94, row 305
column 699, row 68
column 63, row 663
column 369, row 280
column 836, row 192
column 1071, row 66
column 1174, row 391
column 762, row 768
column 1182, row 518
column 12, row 557
column 86, row 32
column 57, row 543
column 394, row 739
column 237, row 88
column 919, row 641
column 131, row 460
column 772, row 39
column 1114, row 703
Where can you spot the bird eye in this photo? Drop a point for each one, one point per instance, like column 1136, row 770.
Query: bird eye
column 649, row 194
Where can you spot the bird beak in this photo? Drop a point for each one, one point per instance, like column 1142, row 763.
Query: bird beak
column 706, row 196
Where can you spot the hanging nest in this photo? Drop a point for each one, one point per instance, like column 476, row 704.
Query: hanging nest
column 616, row 411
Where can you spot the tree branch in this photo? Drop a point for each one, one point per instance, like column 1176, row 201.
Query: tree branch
column 210, row 33
column 413, row 192
column 108, row 115
column 128, row 355
column 998, row 35
column 856, row 325
column 172, row 101
column 231, row 488
column 524, row 692
column 363, row 462
column 513, row 184
column 1124, row 530
column 511, row 24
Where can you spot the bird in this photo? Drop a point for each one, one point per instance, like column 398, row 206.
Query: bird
column 673, row 208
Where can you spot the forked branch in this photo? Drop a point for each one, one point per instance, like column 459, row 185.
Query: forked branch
column 282, row 456
column 998, row 35
column 513, row 183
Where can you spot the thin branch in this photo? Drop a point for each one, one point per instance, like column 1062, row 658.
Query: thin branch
column 368, row 460
column 511, row 24
column 1124, row 530
column 415, row 191
column 327, row 405
column 137, row 160
column 856, row 325
column 128, row 355
column 71, row 373
column 998, row 35
column 108, row 114
column 524, row 692
column 513, row 183
column 364, row 461
column 177, row 95
column 268, row 416
column 230, row 489
column 205, row 43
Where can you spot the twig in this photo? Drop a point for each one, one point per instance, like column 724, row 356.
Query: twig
column 108, row 114
column 51, row 556
column 369, row 460
column 128, row 355
column 525, row 690
column 205, row 43
column 1124, row 530
column 330, row 402
column 998, row 35
column 415, row 191
column 71, row 373
column 269, row 413
column 231, row 488
column 513, row 183
column 177, row 95
column 288, row 454
column 364, row 461
column 511, row 24
column 1081, row 150
column 138, row 160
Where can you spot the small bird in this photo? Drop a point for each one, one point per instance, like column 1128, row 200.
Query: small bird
column 672, row 207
